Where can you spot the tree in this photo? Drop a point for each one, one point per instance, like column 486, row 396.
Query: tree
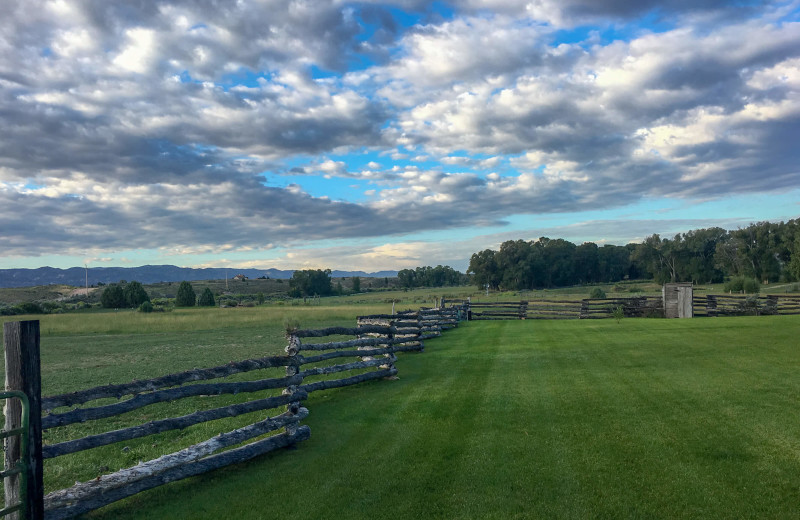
column 406, row 278
column 206, row 298
column 310, row 282
column 112, row 297
column 186, row 296
column 356, row 284
column 135, row 295
column 483, row 268
column 794, row 263
column 586, row 263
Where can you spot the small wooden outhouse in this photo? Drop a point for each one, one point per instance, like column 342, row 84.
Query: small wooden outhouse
column 677, row 299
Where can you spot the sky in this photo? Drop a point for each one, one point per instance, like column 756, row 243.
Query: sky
column 385, row 135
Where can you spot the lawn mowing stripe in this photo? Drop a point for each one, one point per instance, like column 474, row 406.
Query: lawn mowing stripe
column 602, row 420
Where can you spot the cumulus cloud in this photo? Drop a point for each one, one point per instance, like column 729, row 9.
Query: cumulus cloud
column 164, row 124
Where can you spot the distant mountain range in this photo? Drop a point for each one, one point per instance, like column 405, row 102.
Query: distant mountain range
column 145, row 274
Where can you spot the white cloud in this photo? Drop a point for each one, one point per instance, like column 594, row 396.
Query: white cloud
column 155, row 124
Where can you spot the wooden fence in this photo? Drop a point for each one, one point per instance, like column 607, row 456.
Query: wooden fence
column 551, row 309
column 498, row 310
column 308, row 366
column 636, row 307
column 632, row 307
column 743, row 305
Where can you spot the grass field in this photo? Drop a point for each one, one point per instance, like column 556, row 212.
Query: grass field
column 517, row 419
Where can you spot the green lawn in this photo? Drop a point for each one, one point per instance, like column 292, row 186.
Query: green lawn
column 536, row 419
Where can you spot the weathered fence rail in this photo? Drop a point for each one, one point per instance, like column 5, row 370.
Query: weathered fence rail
column 498, row 310
column 196, row 459
column 636, row 307
column 742, row 305
column 362, row 353
column 552, row 309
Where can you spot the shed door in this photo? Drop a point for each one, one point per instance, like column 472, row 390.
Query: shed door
column 685, row 302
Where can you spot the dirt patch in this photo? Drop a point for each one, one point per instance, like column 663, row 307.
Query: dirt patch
column 81, row 292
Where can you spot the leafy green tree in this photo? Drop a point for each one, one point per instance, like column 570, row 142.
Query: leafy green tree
column 484, row 270
column 406, row 278
column 794, row 262
column 356, row 284
column 206, row 298
column 586, row 263
column 113, row 297
column 135, row 295
column 186, row 296
column 260, row 298
column 558, row 259
column 310, row 282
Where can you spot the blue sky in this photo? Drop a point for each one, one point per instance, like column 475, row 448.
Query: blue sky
column 383, row 135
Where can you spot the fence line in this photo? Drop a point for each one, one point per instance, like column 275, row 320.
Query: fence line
column 632, row 307
column 741, row 305
column 545, row 309
column 373, row 350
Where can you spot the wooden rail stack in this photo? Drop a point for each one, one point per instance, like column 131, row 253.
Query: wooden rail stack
column 362, row 353
column 554, row 309
column 499, row 310
column 194, row 460
column 374, row 347
column 637, row 307
column 713, row 305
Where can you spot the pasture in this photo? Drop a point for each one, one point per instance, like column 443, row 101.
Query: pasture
column 511, row 419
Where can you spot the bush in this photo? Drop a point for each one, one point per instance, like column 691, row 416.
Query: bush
column 739, row 284
column 735, row 284
column 135, row 295
column 186, row 296
column 146, row 307
column 597, row 293
column 751, row 286
column 206, row 298
column 113, row 297
column 28, row 308
column 49, row 307
column 618, row 288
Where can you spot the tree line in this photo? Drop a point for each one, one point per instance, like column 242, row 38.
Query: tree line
column 427, row 276
column 766, row 252
column 132, row 295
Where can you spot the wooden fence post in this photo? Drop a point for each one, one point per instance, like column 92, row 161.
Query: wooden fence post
column 293, row 351
column 21, row 344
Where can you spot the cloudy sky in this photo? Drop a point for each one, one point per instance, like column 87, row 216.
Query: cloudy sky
column 382, row 135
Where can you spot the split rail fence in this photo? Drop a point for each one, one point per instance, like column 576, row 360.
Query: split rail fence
column 551, row 309
column 315, row 360
column 636, row 307
column 742, row 305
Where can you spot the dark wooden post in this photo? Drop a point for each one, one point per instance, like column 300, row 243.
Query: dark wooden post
column 293, row 351
column 21, row 343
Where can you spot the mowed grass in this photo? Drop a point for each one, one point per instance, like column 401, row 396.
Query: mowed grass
column 535, row 419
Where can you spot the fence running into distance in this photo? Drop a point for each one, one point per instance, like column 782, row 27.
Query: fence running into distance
column 366, row 351
column 552, row 309
column 632, row 307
